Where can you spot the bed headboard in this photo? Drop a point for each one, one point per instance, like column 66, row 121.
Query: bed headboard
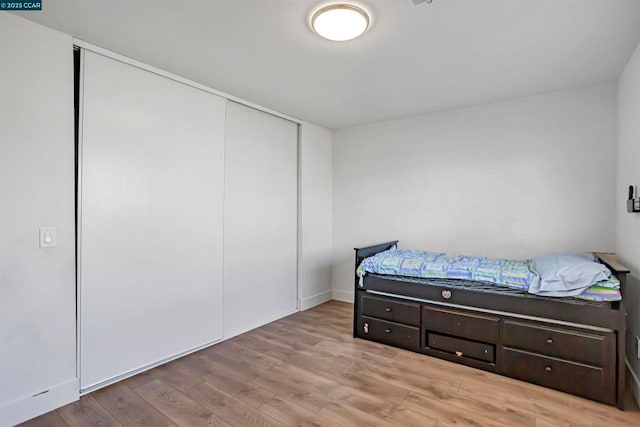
column 361, row 254
column 367, row 251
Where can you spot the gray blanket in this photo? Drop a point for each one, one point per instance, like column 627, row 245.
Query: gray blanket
column 562, row 275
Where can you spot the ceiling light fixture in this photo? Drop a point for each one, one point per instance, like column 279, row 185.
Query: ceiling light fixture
column 340, row 22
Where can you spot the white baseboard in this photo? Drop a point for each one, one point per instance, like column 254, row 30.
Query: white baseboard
column 344, row 296
column 635, row 387
column 28, row 407
column 314, row 300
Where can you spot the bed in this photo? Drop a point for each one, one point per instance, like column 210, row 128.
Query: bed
column 575, row 344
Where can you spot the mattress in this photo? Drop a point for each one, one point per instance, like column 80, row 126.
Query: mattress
column 481, row 271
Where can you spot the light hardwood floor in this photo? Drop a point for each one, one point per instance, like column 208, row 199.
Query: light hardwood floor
column 307, row 370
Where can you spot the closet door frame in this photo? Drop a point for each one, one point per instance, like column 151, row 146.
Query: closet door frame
column 83, row 46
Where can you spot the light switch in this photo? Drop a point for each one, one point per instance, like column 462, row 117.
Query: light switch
column 48, row 238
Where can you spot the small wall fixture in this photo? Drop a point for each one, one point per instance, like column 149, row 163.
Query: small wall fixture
column 633, row 204
column 340, row 22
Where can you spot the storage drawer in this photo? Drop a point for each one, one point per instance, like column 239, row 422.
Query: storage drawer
column 390, row 333
column 584, row 380
column 563, row 343
column 462, row 348
column 391, row 309
column 473, row 326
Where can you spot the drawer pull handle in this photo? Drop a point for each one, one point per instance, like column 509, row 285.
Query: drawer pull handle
column 388, row 331
column 459, row 353
column 548, row 369
column 366, row 328
column 549, row 341
column 387, row 309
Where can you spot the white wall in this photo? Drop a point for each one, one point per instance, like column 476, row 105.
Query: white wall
column 509, row 179
column 315, row 215
column 628, row 234
column 37, row 286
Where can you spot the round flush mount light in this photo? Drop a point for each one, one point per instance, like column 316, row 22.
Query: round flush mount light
column 340, row 22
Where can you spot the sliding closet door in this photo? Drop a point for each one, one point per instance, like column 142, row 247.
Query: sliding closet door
column 151, row 220
column 260, row 226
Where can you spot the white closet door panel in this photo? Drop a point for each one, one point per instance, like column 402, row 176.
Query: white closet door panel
column 151, row 218
column 260, row 226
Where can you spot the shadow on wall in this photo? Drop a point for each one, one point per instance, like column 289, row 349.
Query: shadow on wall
column 343, row 268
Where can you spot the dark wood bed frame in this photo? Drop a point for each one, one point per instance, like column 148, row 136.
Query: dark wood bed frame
column 572, row 347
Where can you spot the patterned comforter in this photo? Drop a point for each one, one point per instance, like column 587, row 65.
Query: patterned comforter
column 515, row 274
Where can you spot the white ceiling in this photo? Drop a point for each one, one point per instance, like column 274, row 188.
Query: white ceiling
column 412, row 60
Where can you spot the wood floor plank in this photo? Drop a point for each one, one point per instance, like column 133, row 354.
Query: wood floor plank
column 222, row 376
column 178, row 407
column 543, row 403
column 488, row 407
column 293, row 389
column 246, row 370
column 325, row 335
column 229, row 408
column 354, row 353
column 412, row 380
column 311, row 333
column 255, row 396
column 305, row 378
column 177, row 376
column 349, row 416
column 129, row 408
column 365, row 382
column 173, row 373
column 140, row 379
column 87, row 412
column 553, row 423
column 254, row 343
column 249, row 355
column 291, row 414
column 287, row 340
column 374, row 347
column 50, row 419
column 367, row 402
column 324, row 364
column 447, row 414
column 236, row 383
column 402, row 416
column 328, row 332
column 312, row 361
